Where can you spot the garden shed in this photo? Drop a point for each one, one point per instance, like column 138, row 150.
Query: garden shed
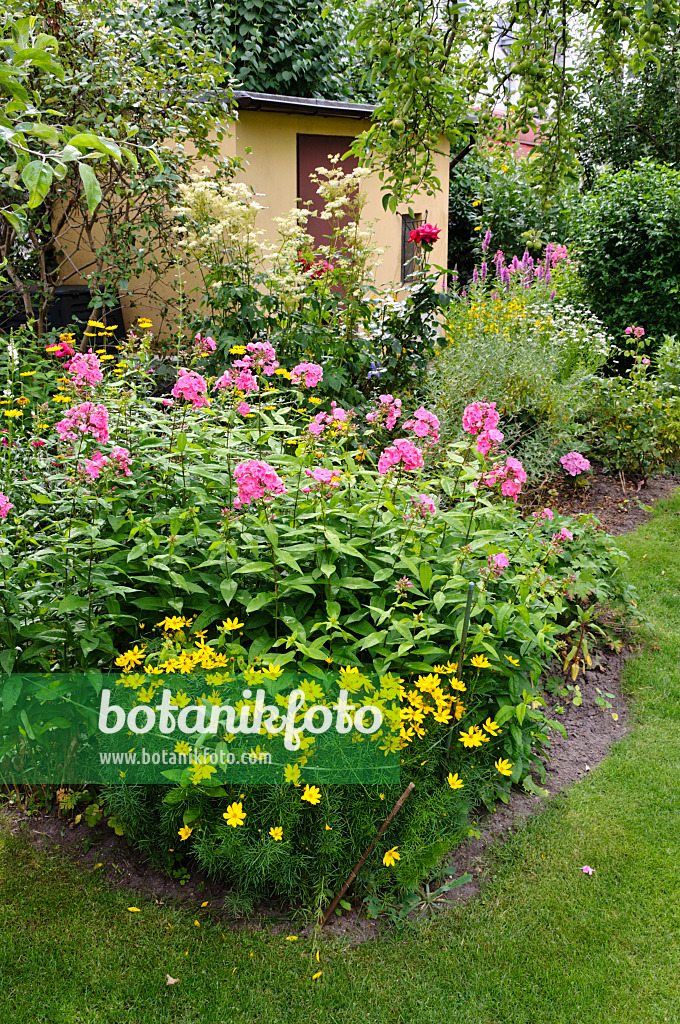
column 280, row 141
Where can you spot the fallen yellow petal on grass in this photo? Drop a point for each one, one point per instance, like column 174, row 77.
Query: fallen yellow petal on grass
column 134, row 910
column 291, row 938
column 317, row 975
column 197, row 923
column 205, row 904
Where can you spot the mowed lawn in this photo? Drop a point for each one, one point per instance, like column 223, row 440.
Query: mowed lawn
column 543, row 944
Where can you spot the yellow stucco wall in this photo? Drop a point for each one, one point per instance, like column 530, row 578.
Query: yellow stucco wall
column 270, row 168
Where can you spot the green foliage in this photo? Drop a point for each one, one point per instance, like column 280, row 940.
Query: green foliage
column 439, row 67
column 289, row 47
column 623, row 117
column 536, row 358
column 152, row 94
column 634, row 422
column 497, row 191
column 39, row 153
column 626, row 235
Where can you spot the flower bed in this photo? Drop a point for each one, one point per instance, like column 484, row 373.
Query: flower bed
column 264, row 532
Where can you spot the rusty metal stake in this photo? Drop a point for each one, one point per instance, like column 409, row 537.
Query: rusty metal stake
column 395, row 810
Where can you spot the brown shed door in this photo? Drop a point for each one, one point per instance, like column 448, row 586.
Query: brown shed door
column 312, row 152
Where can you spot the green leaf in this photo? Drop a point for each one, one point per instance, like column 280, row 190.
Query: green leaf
column 505, row 712
column 259, row 601
column 425, row 575
column 227, row 589
column 72, row 603
column 93, row 192
column 10, row 692
column 87, row 140
column 181, row 442
column 37, row 177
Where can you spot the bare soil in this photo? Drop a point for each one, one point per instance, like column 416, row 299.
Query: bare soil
column 621, row 505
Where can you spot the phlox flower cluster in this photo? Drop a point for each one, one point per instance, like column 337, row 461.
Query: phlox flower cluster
column 244, row 381
column 564, row 534
column 85, row 369
column 545, row 513
column 574, row 463
column 402, row 452
column 260, row 355
column 86, row 418
column 97, row 463
column 204, row 346
column 5, row 505
column 639, row 332
column 423, row 507
column 312, row 374
column 481, row 419
column 256, row 479
column 243, row 408
column 337, row 415
column 323, row 477
column 424, row 424
column 389, row 409
column 193, row 388
column 511, row 476
column 61, row 350
column 498, row 563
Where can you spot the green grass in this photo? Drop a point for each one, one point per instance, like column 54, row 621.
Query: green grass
column 544, row 943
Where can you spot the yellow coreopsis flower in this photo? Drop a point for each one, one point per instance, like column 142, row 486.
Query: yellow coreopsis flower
column 492, row 727
column 480, row 661
column 504, row 766
column 471, row 738
column 276, row 833
column 291, row 773
column 513, row 661
column 182, row 747
column 234, row 815
column 454, row 782
column 232, row 624
column 391, row 857
column 312, row 794
column 184, row 832
column 201, row 771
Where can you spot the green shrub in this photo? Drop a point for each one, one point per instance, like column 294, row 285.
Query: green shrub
column 536, row 357
column 627, row 241
column 495, row 191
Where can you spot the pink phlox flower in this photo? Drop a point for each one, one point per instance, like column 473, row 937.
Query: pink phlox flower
column 645, row 361
column 193, row 388
column 311, row 372
column 86, row 418
column 93, row 466
column 559, row 253
column 388, row 407
column 424, row 424
column 5, row 505
column 37, row 443
column 243, row 408
column 498, row 563
column 586, row 869
column 262, row 357
column 318, row 424
column 120, row 457
column 256, row 479
column 545, row 513
column 206, row 345
column 85, row 369
column 167, row 401
column 402, row 451
column 423, row 506
column 62, row 350
column 574, row 463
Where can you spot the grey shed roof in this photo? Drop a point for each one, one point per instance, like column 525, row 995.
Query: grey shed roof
column 302, row 105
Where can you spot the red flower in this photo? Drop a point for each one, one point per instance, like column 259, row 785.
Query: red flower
column 426, row 234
